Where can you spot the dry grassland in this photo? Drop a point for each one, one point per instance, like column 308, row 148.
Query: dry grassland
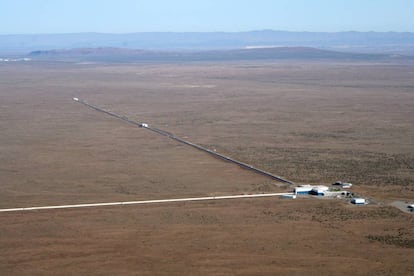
column 308, row 122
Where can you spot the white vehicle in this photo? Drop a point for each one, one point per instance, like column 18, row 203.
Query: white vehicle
column 76, row 99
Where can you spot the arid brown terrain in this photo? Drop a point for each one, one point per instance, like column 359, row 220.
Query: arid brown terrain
column 310, row 122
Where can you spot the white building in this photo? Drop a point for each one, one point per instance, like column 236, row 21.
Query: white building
column 358, row 201
column 290, row 196
column 309, row 189
column 303, row 189
column 319, row 190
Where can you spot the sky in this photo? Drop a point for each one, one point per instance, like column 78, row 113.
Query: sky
column 126, row 16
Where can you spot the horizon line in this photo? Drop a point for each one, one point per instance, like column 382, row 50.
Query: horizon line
column 203, row 32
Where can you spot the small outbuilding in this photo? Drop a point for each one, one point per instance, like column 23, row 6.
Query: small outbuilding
column 358, row 201
column 289, row 196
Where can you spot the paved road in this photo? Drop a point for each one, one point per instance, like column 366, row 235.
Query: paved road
column 141, row 202
column 178, row 139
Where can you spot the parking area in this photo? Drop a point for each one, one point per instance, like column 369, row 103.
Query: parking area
column 403, row 206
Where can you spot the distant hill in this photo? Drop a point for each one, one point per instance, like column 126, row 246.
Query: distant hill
column 368, row 42
column 133, row 55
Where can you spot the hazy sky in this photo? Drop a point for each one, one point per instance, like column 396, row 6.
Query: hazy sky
column 121, row 16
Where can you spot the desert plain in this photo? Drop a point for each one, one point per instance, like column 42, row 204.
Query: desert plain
column 310, row 122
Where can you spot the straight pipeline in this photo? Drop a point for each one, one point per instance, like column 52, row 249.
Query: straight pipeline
column 221, row 156
column 180, row 140
column 139, row 202
column 229, row 159
column 123, row 118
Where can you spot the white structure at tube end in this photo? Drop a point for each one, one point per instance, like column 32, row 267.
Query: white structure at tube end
column 75, row 99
